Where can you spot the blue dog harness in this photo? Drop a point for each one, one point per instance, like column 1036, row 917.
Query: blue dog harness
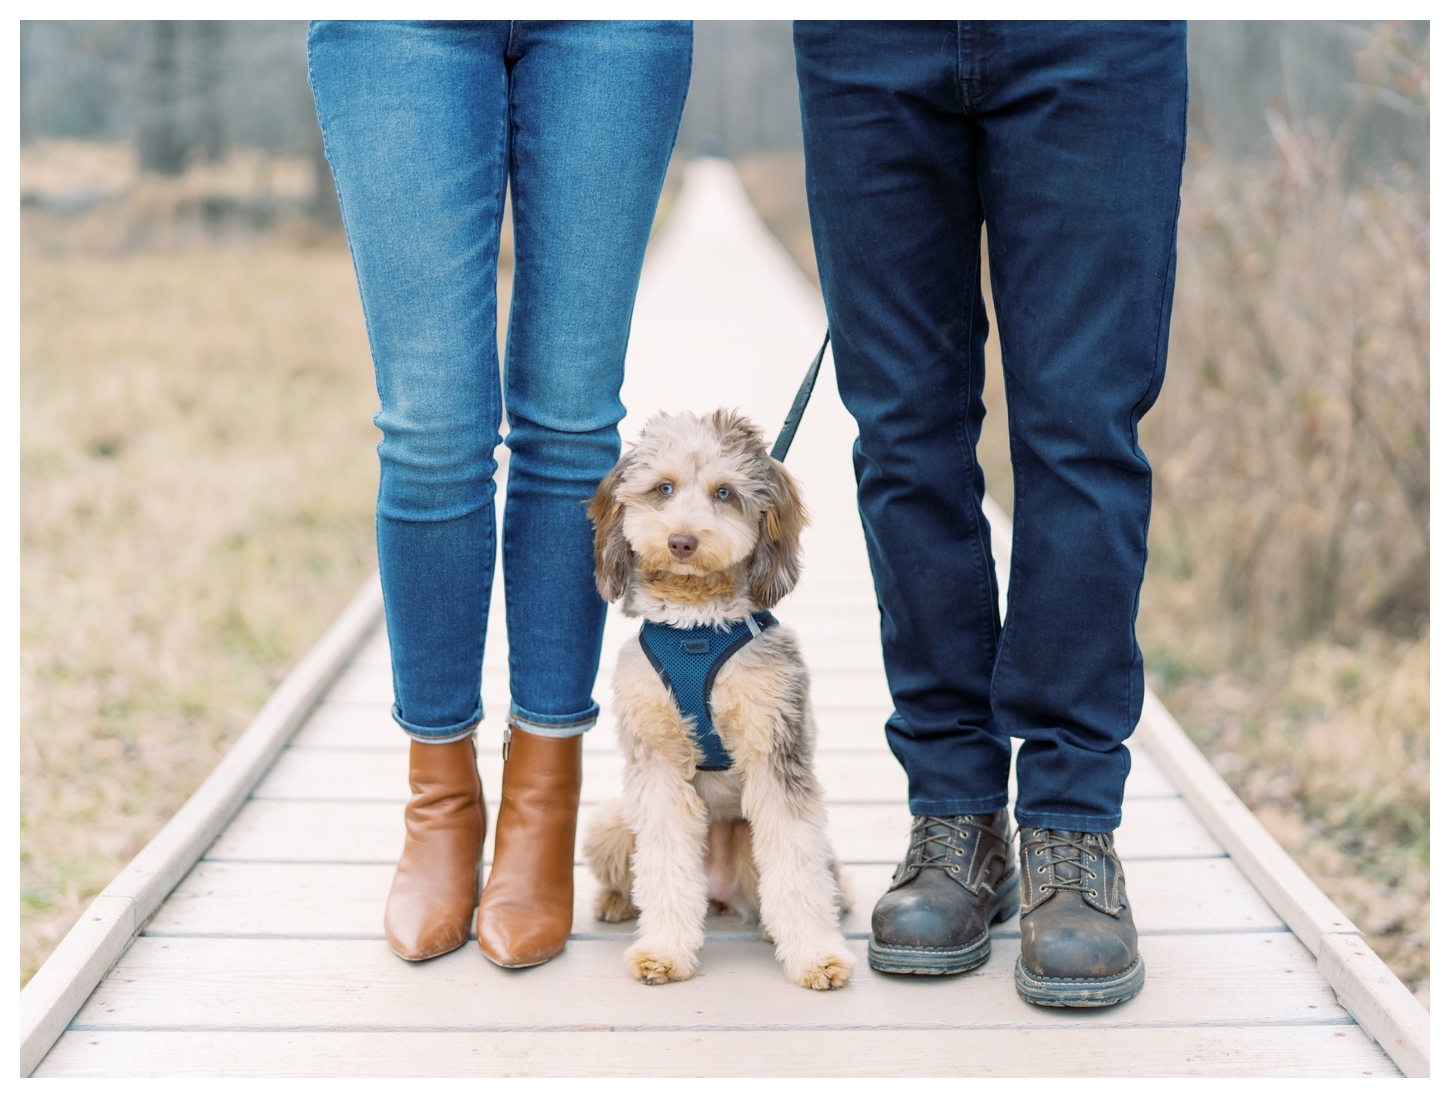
column 688, row 660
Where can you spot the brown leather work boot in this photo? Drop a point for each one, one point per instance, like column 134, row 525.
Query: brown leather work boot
column 436, row 885
column 957, row 879
column 1079, row 942
column 527, row 907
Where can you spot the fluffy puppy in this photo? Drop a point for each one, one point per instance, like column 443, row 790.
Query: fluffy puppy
column 698, row 526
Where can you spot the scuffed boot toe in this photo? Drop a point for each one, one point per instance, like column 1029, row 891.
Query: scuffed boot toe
column 956, row 881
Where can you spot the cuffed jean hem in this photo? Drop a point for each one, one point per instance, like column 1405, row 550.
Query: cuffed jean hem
column 1096, row 824
column 439, row 735
column 980, row 806
column 572, row 724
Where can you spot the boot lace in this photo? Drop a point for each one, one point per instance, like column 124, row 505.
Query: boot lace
column 941, row 833
column 1067, row 849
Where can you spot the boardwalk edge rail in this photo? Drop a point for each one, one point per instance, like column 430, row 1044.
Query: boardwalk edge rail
column 63, row 983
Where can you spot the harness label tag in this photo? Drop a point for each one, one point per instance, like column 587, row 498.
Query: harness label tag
column 695, row 646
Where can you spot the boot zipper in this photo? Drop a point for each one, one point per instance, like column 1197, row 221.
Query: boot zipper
column 508, row 734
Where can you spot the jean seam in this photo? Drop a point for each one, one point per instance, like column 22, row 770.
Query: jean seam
column 1063, row 822
column 919, row 806
column 449, row 732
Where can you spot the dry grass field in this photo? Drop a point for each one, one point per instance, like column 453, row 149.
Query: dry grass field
column 197, row 482
column 198, row 478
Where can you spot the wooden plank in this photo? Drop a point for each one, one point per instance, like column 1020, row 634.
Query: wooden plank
column 1294, row 1052
column 155, row 871
column 857, row 688
column 859, row 777
column 834, row 640
column 381, row 774
column 173, row 983
column 1195, row 895
column 261, row 899
column 372, row 831
column 345, row 724
column 369, row 724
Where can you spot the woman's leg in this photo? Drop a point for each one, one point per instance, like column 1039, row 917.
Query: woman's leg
column 415, row 117
column 593, row 109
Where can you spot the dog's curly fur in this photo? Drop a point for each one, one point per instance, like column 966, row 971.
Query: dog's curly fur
column 752, row 839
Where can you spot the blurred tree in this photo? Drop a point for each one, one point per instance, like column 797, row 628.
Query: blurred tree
column 160, row 142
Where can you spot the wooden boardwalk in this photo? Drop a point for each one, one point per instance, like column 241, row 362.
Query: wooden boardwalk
column 268, row 958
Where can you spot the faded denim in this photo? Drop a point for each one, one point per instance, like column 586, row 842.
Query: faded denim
column 1067, row 140
column 426, row 124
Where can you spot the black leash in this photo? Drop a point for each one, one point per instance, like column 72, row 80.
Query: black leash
column 798, row 409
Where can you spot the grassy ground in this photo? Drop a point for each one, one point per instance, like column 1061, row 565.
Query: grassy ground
column 196, row 506
column 197, row 485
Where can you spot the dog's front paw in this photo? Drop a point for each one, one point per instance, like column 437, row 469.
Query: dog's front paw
column 827, row 973
column 613, row 907
column 652, row 966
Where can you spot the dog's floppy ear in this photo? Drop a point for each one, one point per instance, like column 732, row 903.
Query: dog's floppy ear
column 775, row 566
column 613, row 558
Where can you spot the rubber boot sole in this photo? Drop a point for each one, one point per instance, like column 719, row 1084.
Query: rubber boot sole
column 1064, row 991
column 948, row 960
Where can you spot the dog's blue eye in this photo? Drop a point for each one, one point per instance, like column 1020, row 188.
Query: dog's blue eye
column 722, row 493
column 667, row 489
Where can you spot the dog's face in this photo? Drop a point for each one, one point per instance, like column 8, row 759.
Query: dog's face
column 698, row 496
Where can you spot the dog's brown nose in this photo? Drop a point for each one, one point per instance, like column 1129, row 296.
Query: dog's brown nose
column 683, row 546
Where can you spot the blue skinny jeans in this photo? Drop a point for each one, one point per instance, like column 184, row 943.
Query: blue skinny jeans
column 426, row 124
column 1067, row 140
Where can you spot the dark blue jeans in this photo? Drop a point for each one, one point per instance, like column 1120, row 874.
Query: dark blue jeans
column 1067, row 140
column 426, row 126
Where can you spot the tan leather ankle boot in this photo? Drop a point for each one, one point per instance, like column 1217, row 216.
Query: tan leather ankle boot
column 436, row 885
column 527, row 907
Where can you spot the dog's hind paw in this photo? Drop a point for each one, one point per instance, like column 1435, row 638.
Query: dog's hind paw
column 613, row 907
column 828, row 973
column 649, row 968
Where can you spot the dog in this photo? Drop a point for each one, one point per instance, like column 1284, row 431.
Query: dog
column 697, row 530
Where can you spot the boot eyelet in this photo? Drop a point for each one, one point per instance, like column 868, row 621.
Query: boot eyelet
column 1041, row 888
column 1093, row 893
column 1042, row 869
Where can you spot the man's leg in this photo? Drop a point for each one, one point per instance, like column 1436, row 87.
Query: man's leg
column 891, row 174
column 1079, row 170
